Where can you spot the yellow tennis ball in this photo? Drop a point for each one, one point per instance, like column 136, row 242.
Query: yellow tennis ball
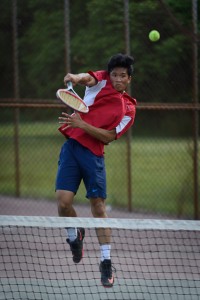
column 154, row 35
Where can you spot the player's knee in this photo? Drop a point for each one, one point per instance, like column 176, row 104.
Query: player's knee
column 64, row 205
column 64, row 201
column 98, row 208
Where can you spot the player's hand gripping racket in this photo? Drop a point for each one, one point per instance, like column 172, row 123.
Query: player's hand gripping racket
column 71, row 99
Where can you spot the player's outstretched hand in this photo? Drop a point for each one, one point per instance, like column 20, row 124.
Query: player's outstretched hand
column 74, row 120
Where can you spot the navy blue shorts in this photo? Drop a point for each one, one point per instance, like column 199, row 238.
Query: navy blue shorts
column 76, row 162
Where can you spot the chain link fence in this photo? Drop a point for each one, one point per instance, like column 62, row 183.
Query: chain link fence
column 152, row 170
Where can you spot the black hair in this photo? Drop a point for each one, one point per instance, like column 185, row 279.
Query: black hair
column 121, row 60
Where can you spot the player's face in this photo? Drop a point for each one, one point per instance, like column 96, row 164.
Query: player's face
column 120, row 79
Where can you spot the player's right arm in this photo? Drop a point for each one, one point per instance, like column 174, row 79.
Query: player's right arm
column 75, row 121
column 82, row 78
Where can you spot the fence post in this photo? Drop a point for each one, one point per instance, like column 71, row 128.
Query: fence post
column 67, row 36
column 128, row 136
column 16, row 98
column 195, row 112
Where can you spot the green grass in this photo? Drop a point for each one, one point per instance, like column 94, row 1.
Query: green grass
column 161, row 175
column 161, row 169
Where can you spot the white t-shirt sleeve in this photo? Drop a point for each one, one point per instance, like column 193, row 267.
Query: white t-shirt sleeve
column 124, row 122
column 92, row 92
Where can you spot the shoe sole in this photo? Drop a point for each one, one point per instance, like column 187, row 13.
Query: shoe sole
column 82, row 232
column 107, row 286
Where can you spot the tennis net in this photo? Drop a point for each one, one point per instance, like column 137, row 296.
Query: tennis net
column 154, row 259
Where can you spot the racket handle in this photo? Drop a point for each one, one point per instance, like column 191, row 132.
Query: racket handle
column 69, row 85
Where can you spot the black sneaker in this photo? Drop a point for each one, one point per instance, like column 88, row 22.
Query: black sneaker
column 107, row 278
column 77, row 245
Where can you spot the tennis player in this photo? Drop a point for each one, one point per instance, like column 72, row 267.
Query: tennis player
column 111, row 114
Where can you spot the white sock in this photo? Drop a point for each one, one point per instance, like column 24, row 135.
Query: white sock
column 105, row 251
column 71, row 234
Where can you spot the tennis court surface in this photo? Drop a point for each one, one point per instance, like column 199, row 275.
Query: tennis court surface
column 154, row 259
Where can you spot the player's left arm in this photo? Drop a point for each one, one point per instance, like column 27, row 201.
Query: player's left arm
column 75, row 121
column 126, row 122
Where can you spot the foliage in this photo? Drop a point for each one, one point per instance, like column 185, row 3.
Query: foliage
column 163, row 70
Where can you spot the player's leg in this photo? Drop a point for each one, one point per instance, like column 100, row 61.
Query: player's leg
column 75, row 236
column 98, row 209
column 94, row 176
column 67, row 182
column 65, row 203
column 95, row 182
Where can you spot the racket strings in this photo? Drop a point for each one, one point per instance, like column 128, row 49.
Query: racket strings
column 72, row 101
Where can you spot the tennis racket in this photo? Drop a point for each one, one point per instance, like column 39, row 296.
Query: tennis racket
column 72, row 99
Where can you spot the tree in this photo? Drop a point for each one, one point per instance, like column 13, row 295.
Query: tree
column 163, row 70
